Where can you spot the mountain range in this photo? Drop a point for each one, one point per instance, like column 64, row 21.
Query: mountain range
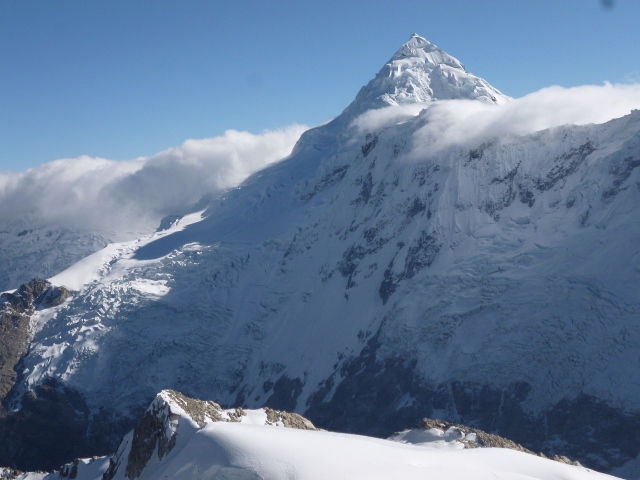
column 397, row 265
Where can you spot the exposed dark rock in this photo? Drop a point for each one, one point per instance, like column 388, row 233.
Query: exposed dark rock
column 151, row 432
column 369, row 145
column 350, row 259
column 70, row 470
column 477, row 153
column 167, row 222
column 198, row 410
column 527, row 196
column 285, row 393
column 417, row 206
column 52, row 297
column 365, row 400
column 156, row 431
column 15, row 322
column 9, row 473
column 237, row 415
column 115, row 461
column 621, row 173
column 420, row 255
column 51, row 429
column 388, row 285
column 328, row 180
column 566, row 164
column 483, row 439
column 366, row 183
column 371, row 399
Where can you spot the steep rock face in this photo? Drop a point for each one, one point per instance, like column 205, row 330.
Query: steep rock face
column 50, row 429
column 52, row 422
column 370, row 280
column 156, row 433
column 15, row 324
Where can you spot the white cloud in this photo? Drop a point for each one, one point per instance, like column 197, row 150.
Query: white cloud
column 374, row 120
column 468, row 122
column 112, row 196
column 121, row 196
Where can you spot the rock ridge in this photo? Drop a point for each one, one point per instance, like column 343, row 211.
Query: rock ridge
column 16, row 310
column 482, row 439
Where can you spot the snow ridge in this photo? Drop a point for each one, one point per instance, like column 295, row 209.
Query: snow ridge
column 182, row 438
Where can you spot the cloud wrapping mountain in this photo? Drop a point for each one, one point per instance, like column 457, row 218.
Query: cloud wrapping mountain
column 467, row 122
column 121, row 196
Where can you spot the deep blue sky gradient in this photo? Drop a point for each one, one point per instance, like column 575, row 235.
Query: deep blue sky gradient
column 122, row 79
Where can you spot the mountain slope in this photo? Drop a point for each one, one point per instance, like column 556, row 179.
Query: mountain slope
column 33, row 248
column 182, row 438
column 371, row 279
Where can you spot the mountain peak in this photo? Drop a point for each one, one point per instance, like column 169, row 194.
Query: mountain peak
column 420, row 72
column 419, row 50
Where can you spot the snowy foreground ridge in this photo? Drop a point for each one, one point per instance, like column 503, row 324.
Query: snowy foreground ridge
column 393, row 267
column 182, row 438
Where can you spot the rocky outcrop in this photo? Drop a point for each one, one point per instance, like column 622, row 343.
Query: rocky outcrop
column 157, row 431
column 474, row 438
column 15, row 324
column 150, row 434
column 52, row 422
column 290, row 420
column 9, row 473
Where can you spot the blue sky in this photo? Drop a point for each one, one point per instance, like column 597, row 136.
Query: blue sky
column 122, row 79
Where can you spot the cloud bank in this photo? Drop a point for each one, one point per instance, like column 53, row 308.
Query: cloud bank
column 132, row 196
column 469, row 122
column 122, row 196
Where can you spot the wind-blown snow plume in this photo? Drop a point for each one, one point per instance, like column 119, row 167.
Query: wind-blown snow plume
column 120, row 196
column 468, row 122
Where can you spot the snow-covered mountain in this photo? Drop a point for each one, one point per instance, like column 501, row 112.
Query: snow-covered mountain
column 182, row 438
column 375, row 277
column 60, row 212
column 32, row 248
column 420, row 72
